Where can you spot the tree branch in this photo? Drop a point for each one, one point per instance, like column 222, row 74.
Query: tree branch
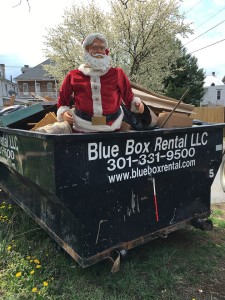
column 20, row 3
column 125, row 2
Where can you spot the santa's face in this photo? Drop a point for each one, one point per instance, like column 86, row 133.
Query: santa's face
column 97, row 49
column 96, row 57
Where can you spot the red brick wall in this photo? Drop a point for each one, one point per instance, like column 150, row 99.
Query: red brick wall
column 31, row 86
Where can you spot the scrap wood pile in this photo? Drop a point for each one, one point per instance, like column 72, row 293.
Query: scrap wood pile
column 46, row 98
column 159, row 103
column 49, row 118
column 170, row 112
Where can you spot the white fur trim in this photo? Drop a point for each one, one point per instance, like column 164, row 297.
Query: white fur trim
column 96, row 95
column 133, row 102
column 60, row 111
column 86, row 126
column 91, row 72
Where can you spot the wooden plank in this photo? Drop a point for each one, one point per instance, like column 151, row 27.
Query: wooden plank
column 210, row 114
column 49, row 118
column 159, row 104
column 20, row 114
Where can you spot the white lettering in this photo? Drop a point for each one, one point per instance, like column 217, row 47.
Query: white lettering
column 99, row 151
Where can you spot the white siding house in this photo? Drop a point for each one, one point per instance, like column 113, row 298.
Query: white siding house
column 214, row 91
column 7, row 87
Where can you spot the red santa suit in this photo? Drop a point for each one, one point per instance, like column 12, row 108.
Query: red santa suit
column 96, row 93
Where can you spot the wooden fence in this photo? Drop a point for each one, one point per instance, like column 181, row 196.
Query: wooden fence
column 210, row 114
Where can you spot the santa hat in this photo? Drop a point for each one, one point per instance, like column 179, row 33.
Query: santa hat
column 90, row 38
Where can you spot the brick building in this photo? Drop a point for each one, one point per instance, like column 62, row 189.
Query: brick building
column 36, row 80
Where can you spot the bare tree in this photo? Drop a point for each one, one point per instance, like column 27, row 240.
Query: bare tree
column 21, row 2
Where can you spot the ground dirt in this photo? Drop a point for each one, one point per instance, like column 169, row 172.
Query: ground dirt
column 215, row 290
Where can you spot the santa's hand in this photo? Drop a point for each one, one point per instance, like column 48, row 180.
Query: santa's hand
column 139, row 107
column 68, row 116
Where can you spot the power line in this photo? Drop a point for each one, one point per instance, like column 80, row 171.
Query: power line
column 204, row 32
column 193, row 7
column 208, row 46
column 210, row 18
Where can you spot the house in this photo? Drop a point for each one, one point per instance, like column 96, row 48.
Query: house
column 36, row 80
column 7, row 87
column 214, row 91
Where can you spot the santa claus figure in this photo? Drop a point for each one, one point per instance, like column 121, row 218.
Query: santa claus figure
column 98, row 91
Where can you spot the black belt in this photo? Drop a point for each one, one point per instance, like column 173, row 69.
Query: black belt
column 87, row 117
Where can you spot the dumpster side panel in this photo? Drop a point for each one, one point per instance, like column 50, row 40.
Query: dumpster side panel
column 124, row 187
column 48, row 211
column 31, row 157
column 96, row 192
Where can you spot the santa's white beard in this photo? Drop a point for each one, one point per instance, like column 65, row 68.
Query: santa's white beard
column 100, row 64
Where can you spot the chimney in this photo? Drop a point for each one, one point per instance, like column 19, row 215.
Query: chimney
column 213, row 74
column 2, row 71
column 25, row 69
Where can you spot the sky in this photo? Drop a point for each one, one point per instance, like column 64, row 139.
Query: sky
column 23, row 30
column 208, row 22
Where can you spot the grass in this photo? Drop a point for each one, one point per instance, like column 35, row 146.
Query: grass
column 189, row 264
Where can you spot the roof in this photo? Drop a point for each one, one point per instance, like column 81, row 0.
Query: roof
column 35, row 73
column 8, row 81
column 212, row 80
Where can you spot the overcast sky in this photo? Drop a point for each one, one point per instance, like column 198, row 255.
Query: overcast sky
column 22, row 31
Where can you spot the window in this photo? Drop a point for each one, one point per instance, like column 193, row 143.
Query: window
column 218, row 94
column 25, row 88
column 49, row 87
column 37, row 88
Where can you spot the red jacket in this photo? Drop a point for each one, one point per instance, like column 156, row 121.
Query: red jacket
column 96, row 94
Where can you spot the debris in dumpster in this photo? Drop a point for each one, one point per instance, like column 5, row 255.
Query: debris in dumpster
column 46, row 98
column 175, row 120
column 138, row 121
column 174, row 109
column 49, row 118
column 56, row 128
column 9, row 109
column 20, row 114
column 159, row 103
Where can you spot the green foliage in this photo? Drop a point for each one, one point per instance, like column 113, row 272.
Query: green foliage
column 141, row 37
column 185, row 74
column 182, row 266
